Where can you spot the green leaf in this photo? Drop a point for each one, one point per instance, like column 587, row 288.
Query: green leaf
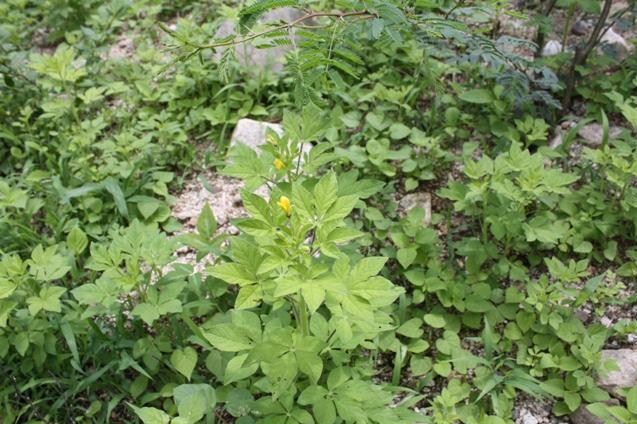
column 475, row 304
column 206, row 223
column 77, row 240
column 572, row 400
column 237, row 371
column 368, row 267
column 228, row 338
column 435, row 320
column 398, row 131
column 6, row 288
column 411, row 328
column 631, row 400
column 341, row 208
column 113, row 187
column 232, row 273
column 151, row 415
column 194, row 401
column 148, row 312
column 147, row 209
column 325, row 192
column 420, row 366
column 310, row 364
column 324, row 411
column 406, row 256
column 311, row 395
column 248, row 297
column 184, row 361
column 48, row 300
column 46, row 264
column 443, row 369
column 6, row 306
column 314, row 295
column 477, row 96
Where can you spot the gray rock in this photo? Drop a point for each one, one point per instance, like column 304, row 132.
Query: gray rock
column 626, row 374
column 592, row 134
column 583, row 416
column 260, row 59
column 582, row 28
column 552, row 48
column 418, row 199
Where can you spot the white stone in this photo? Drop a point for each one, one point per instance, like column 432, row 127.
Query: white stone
column 552, row 48
column 611, row 37
column 252, row 133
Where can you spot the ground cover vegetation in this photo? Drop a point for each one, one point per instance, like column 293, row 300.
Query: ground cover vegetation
column 337, row 300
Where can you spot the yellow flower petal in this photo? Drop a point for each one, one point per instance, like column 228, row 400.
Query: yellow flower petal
column 285, row 205
column 279, row 164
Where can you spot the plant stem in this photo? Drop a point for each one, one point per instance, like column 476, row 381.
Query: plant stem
column 303, row 316
column 539, row 39
column 568, row 24
column 582, row 53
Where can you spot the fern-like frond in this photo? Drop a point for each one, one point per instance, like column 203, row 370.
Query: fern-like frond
column 249, row 15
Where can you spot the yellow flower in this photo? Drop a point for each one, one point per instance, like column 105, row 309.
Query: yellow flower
column 284, row 203
column 278, row 164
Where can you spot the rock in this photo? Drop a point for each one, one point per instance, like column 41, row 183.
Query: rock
column 123, row 48
column 418, row 199
column 583, row 416
column 252, row 133
column 615, row 45
column 253, row 57
column 592, row 134
column 516, row 27
column 581, row 27
column 611, row 37
column 626, row 374
column 606, row 322
column 552, row 48
column 529, row 418
column 556, row 141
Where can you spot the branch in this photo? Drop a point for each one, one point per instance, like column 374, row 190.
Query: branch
column 582, row 53
column 288, row 26
column 596, row 35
